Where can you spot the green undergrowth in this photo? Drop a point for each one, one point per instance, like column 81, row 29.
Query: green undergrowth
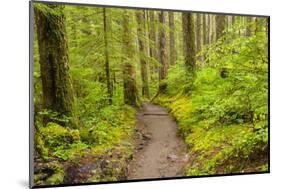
column 64, row 143
column 111, row 133
column 216, row 149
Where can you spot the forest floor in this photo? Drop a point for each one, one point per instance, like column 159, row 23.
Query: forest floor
column 160, row 152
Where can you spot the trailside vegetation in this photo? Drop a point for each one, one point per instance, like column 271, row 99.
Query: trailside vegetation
column 224, row 120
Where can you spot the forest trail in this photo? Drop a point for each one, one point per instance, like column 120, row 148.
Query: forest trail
column 160, row 152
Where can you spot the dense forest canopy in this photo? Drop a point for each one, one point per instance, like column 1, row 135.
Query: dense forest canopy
column 94, row 67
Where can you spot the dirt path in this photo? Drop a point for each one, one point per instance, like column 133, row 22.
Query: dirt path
column 160, row 152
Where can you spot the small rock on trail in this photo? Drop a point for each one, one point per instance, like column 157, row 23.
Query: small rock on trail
column 159, row 151
column 172, row 157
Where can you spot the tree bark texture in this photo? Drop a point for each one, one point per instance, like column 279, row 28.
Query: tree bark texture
column 188, row 41
column 143, row 51
column 107, row 70
column 163, row 51
column 53, row 50
column 129, row 72
column 220, row 26
column 173, row 52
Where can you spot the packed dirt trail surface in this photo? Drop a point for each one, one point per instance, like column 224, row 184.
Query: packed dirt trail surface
column 160, row 152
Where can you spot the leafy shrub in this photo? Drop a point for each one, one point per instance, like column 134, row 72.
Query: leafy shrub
column 71, row 151
column 55, row 135
column 177, row 79
column 55, row 116
column 114, row 122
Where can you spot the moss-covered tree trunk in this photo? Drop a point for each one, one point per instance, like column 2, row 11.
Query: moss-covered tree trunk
column 151, row 34
column 199, row 35
column 107, row 69
column 211, row 38
column 173, row 52
column 205, row 35
column 259, row 22
column 129, row 72
column 220, row 26
column 198, row 32
column 189, row 48
column 140, row 15
column 52, row 41
column 163, row 52
column 249, row 26
column 226, row 22
column 152, row 41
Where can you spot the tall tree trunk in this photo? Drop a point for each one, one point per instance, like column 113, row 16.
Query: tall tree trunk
column 229, row 18
column 163, row 52
column 57, row 87
column 158, row 28
column 205, row 36
column 107, row 69
column 143, row 51
column 129, row 72
column 189, row 48
column 226, row 23
column 220, row 26
column 198, row 32
column 173, row 52
column 244, row 33
column 258, row 25
column 148, row 47
column 232, row 20
column 249, row 27
column 210, row 29
column 152, row 40
column 146, row 20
